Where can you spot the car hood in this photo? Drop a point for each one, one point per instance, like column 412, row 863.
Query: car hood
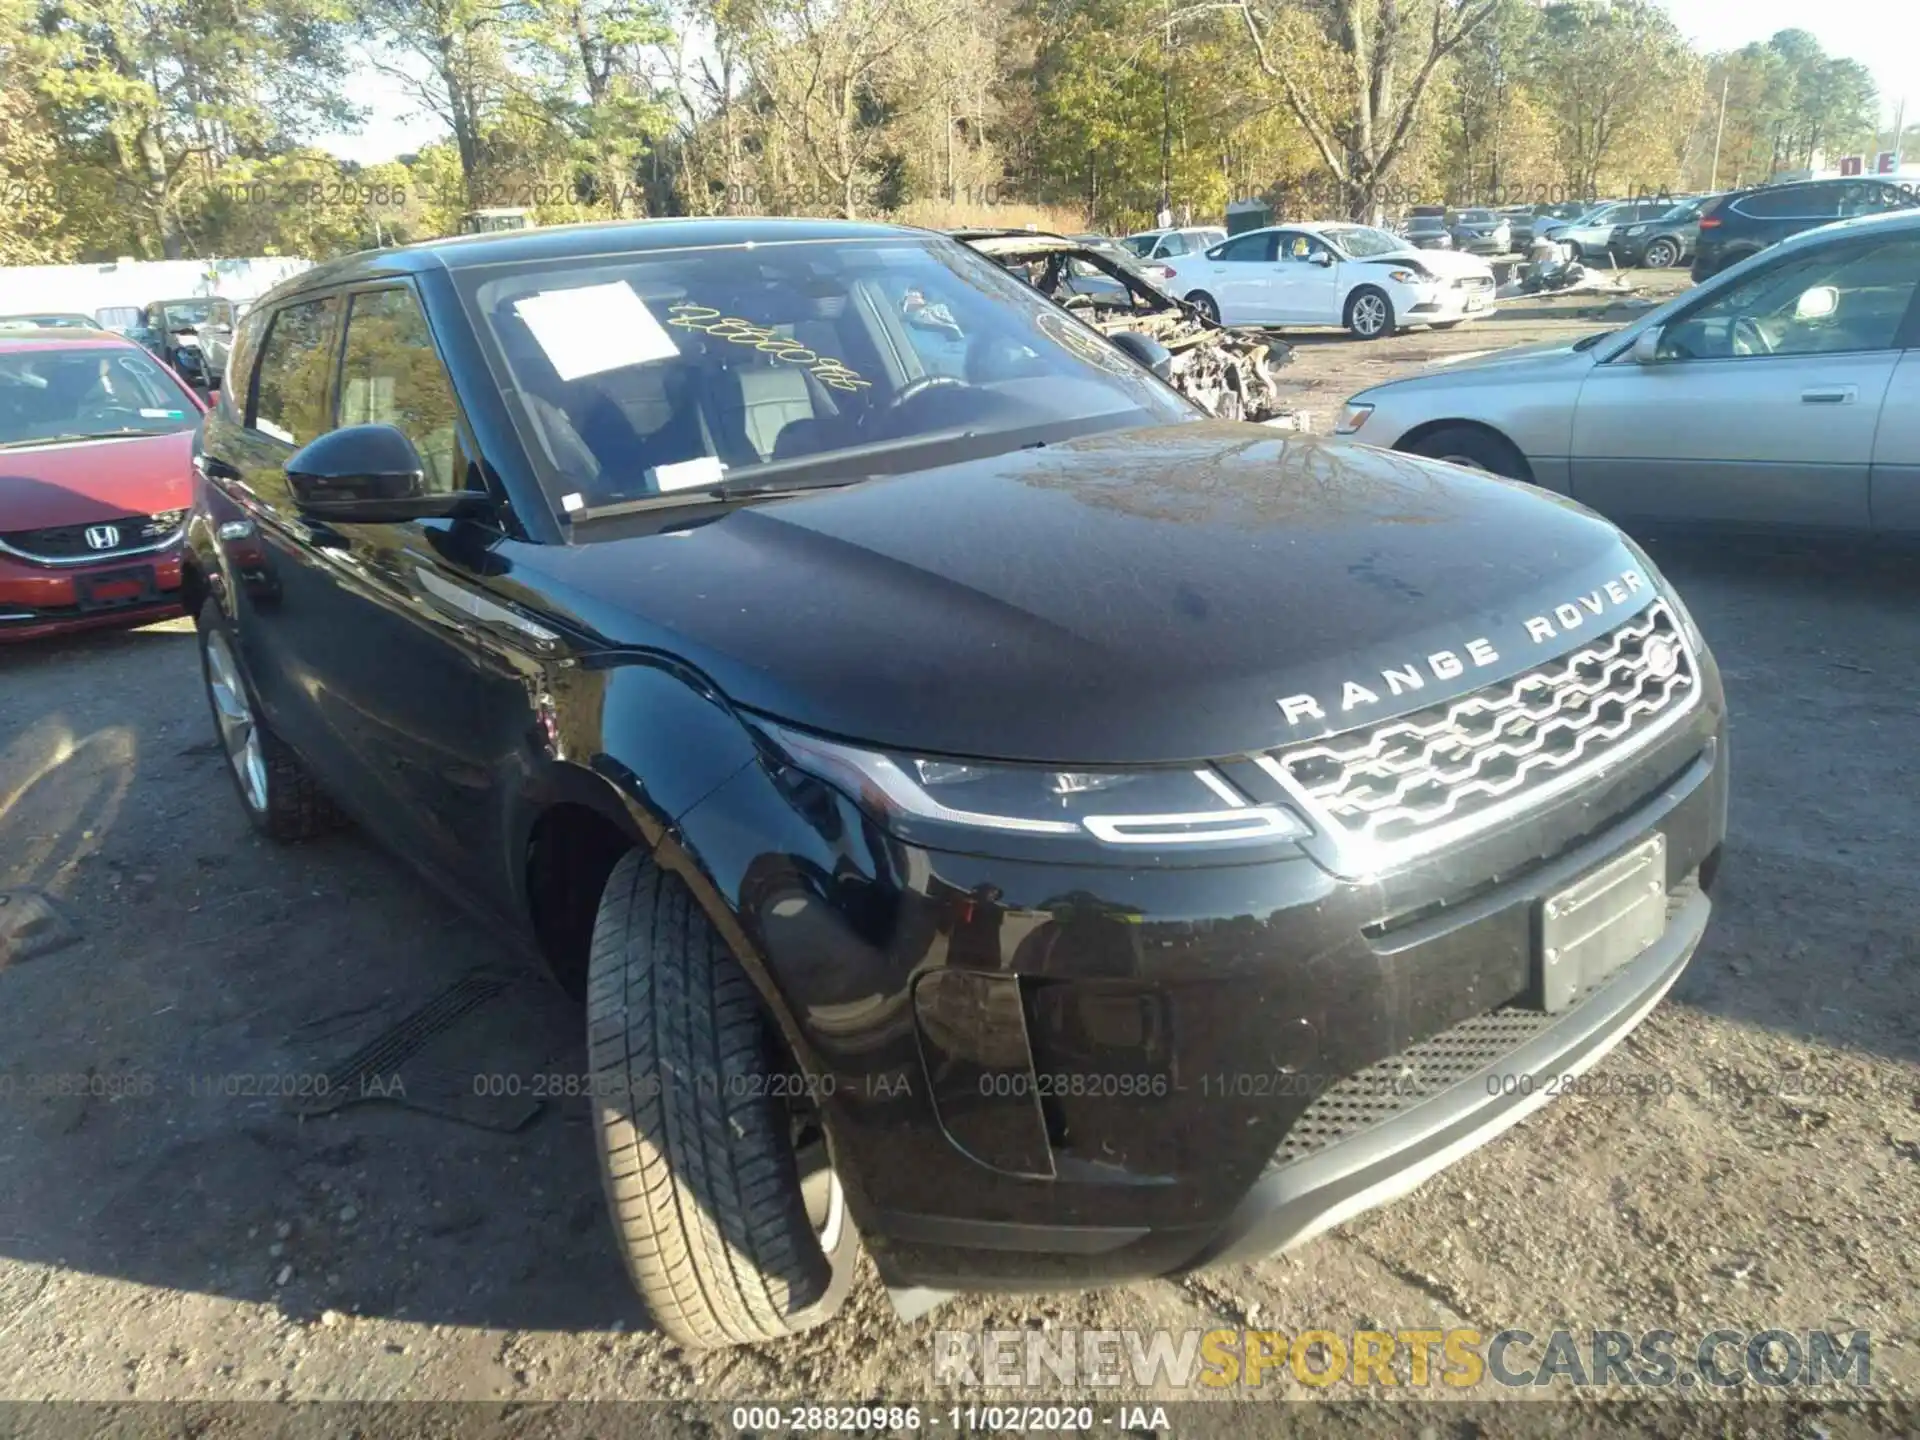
column 1141, row 596
column 79, row 482
column 1447, row 264
column 1533, row 357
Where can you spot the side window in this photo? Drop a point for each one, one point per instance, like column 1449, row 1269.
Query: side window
column 1254, row 247
column 1869, row 197
column 1834, row 299
column 1300, row 248
column 290, row 388
column 392, row 375
column 1173, row 245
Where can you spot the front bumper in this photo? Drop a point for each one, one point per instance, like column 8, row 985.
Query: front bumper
column 41, row 600
column 1044, row 1076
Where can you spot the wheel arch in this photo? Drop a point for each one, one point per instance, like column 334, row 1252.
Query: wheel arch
column 1434, row 427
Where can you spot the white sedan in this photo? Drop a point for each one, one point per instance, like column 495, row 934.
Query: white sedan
column 1355, row 276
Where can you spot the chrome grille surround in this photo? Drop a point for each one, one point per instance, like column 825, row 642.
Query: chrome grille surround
column 1398, row 788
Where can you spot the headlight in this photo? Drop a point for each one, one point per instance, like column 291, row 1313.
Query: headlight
column 1636, row 229
column 1352, row 416
column 1173, row 806
column 161, row 524
column 1410, row 277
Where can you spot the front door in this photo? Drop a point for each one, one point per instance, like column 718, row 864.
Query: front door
column 1763, row 404
column 1309, row 280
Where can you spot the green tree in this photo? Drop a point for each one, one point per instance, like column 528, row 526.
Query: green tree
column 159, row 93
column 1625, row 87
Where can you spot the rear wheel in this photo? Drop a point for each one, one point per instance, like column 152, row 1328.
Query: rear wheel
column 1208, row 307
column 1662, row 253
column 729, row 1216
column 1369, row 314
column 280, row 795
column 1472, row 447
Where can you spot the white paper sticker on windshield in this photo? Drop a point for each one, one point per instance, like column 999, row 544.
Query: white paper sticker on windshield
column 146, row 414
column 595, row 328
column 267, row 427
column 689, row 474
column 573, row 502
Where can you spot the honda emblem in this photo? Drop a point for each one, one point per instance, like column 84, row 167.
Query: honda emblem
column 102, row 537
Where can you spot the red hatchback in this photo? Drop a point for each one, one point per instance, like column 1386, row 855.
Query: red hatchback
column 96, row 446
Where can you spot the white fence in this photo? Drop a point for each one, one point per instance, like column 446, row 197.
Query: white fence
column 87, row 288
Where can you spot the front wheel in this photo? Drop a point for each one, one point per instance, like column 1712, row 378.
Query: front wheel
column 724, row 1201
column 1208, row 307
column 1369, row 314
column 1661, row 254
column 1473, row 447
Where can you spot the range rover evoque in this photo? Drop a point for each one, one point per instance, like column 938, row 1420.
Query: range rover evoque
column 993, row 813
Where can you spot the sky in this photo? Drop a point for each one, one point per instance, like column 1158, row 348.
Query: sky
column 1883, row 35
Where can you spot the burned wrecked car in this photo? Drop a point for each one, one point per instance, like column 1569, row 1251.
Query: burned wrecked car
column 1230, row 375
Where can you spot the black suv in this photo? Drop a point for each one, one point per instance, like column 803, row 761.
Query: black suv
column 991, row 811
column 1745, row 222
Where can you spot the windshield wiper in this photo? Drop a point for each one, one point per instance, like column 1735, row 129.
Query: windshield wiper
column 773, row 478
column 69, row 439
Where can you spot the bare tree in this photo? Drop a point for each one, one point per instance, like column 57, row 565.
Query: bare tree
column 1357, row 93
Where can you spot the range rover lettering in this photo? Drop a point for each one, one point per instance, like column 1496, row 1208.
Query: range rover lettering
column 997, row 816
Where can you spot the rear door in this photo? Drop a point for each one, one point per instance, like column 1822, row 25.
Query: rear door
column 1765, row 403
column 1239, row 275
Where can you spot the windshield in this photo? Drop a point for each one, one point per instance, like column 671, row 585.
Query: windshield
column 1478, row 217
column 83, row 391
column 182, row 314
column 1142, row 245
column 1362, row 241
column 645, row 374
column 1427, row 222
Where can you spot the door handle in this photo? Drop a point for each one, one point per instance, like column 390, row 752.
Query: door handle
column 1838, row 395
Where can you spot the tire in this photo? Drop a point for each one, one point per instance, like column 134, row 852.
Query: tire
column 1369, row 314
column 702, row 1165
column 1208, row 307
column 1473, row 447
column 276, row 789
column 1662, row 254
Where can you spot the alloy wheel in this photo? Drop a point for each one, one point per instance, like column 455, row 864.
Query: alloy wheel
column 1661, row 254
column 1369, row 314
column 239, row 735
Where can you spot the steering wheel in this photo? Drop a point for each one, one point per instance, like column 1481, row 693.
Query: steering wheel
column 914, row 389
column 1749, row 339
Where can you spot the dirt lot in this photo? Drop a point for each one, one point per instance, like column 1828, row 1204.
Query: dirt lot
column 192, row 1239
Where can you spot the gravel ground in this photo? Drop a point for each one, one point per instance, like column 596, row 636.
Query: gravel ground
column 182, row 1242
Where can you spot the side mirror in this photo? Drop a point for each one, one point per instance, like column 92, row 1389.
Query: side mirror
column 1147, row 350
column 367, row 475
column 1322, row 257
column 1646, row 347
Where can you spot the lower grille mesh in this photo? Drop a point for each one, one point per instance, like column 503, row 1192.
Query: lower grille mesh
column 1425, row 1070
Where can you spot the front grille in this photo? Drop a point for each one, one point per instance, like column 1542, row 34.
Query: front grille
column 69, row 542
column 1454, row 766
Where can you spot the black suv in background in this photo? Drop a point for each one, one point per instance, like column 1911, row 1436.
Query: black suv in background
column 968, row 839
column 1745, row 222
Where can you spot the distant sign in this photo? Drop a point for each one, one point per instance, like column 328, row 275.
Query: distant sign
column 1853, row 164
column 1886, row 162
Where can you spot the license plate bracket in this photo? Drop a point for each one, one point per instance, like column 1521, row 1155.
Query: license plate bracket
column 116, row 589
column 1600, row 922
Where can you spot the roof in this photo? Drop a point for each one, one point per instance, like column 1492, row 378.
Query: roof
column 53, row 339
column 592, row 239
